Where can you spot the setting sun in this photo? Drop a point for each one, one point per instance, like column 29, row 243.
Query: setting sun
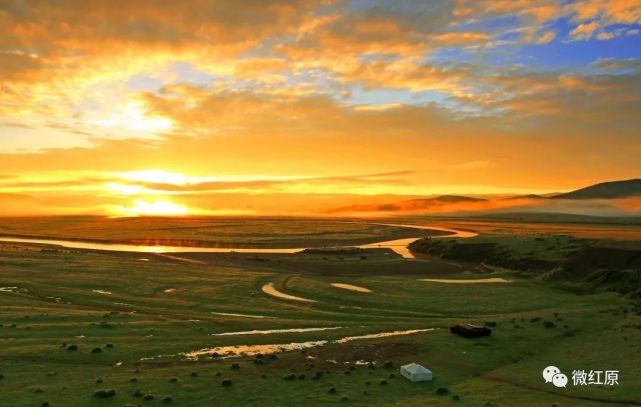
column 141, row 207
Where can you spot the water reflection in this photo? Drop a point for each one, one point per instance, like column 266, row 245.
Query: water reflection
column 271, row 290
column 351, row 287
column 225, row 352
column 399, row 245
column 277, row 331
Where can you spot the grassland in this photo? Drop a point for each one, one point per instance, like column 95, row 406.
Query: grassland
column 205, row 231
column 151, row 309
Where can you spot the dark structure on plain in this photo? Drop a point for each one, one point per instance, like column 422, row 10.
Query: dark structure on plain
column 470, row 331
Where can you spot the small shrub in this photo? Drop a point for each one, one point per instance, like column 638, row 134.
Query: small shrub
column 45, row 404
column 194, row 374
column 96, row 350
column 226, row 382
column 167, row 399
column 72, row 347
column 104, row 394
column 148, row 397
column 133, row 380
column 344, row 398
column 388, row 364
column 290, row 376
column 456, row 397
column 332, row 391
column 109, row 345
column 235, row 366
column 549, row 324
column 137, row 393
column 392, row 375
column 442, row 391
column 99, row 380
column 173, row 380
column 383, row 382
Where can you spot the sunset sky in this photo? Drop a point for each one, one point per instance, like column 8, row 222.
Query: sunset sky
column 252, row 107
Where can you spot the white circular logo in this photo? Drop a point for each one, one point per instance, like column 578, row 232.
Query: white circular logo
column 549, row 372
column 559, row 380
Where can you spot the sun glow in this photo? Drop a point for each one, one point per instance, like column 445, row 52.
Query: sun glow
column 142, row 207
column 158, row 177
column 133, row 116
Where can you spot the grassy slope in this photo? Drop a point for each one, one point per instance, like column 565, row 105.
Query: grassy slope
column 501, row 370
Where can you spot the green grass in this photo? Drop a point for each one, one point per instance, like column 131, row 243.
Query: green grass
column 56, row 304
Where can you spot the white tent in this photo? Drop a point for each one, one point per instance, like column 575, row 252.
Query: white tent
column 416, row 373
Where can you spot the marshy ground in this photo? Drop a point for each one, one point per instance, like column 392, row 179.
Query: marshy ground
column 77, row 324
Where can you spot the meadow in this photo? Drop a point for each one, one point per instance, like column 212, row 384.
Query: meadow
column 85, row 328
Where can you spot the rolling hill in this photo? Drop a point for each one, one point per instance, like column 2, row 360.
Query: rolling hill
column 605, row 190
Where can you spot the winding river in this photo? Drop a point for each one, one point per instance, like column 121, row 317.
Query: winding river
column 399, row 245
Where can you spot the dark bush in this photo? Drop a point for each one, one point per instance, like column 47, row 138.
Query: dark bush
column 137, row 393
column 148, row 397
column 194, row 374
column 290, row 376
column 167, row 399
column 133, row 380
column 235, row 366
column 549, row 324
column 110, row 345
column 388, row 364
column 442, row 391
column 383, row 382
column 99, row 380
column 332, row 391
column 45, row 404
column 301, row 377
column 173, row 380
column 72, row 347
column 226, row 382
column 96, row 350
column 104, row 394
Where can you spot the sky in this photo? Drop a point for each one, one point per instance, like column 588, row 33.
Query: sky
column 137, row 107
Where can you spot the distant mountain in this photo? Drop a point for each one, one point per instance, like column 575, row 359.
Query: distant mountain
column 444, row 199
column 605, row 190
column 416, row 204
column 530, row 196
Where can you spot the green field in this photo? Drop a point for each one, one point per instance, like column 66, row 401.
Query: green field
column 152, row 309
